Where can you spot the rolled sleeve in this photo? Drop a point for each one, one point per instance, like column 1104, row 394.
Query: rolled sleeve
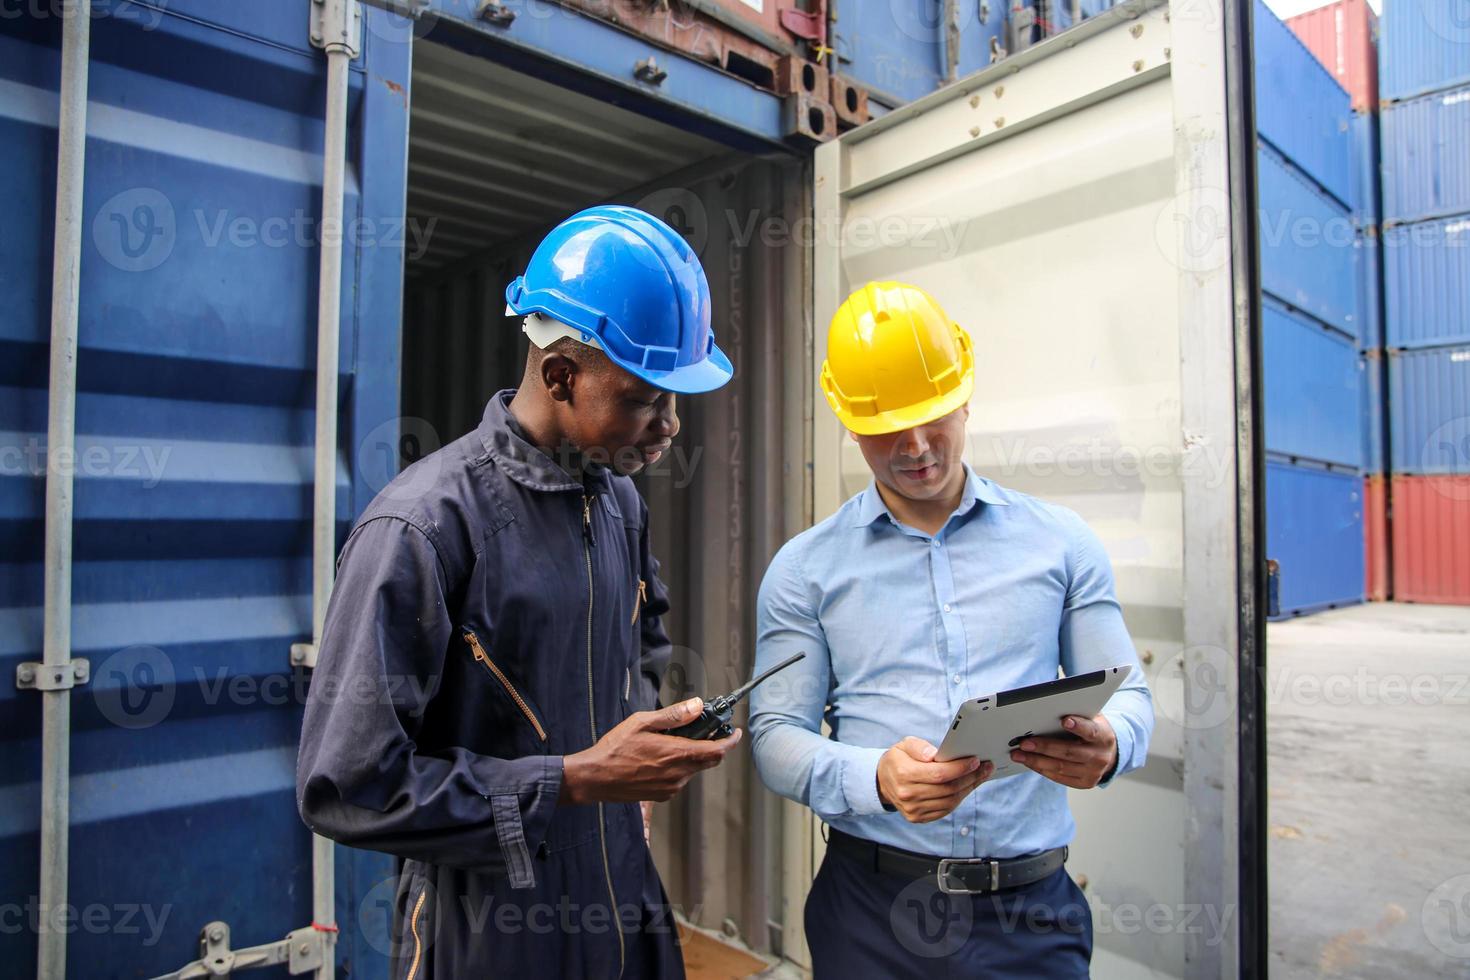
column 1093, row 636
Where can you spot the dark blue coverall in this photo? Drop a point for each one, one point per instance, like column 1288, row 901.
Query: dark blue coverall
column 492, row 614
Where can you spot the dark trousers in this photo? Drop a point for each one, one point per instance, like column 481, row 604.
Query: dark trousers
column 860, row 923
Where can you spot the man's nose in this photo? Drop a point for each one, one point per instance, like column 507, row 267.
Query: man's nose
column 913, row 443
column 667, row 422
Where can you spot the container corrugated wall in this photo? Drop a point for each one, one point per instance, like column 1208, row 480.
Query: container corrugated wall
column 1308, row 244
column 1431, row 523
column 193, row 531
column 1301, row 110
column 1426, row 157
column 1430, row 394
column 1367, row 186
column 1423, row 45
column 1373, row 406
column 1312, row 389
column 1426, row 282
column 1314, row 529
column 1341, row 36
column 1375, row 537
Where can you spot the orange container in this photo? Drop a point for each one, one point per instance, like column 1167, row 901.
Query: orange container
column 1431, row 539
column 1344, row 37
column 1375, row 534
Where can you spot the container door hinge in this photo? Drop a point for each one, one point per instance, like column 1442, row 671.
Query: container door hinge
column 35, row 676
column 336, row 26
column 495, row 13
column 302, row 951
column 303, row 654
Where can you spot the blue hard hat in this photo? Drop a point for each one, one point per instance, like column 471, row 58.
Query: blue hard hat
column 624, row 277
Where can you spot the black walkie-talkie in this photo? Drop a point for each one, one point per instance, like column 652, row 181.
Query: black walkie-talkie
column 714, row 721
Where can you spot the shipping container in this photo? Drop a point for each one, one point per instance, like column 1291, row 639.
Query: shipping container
column 1314, row 530
column 1367, row 180
column 1374, row 424
column 1343, row 37
column 1431, row 523
column 502, row 126
column 1370, row 289
column 1301, row 110
column 1426, row 282
column 1423, row 46
column 193, row 486
column 1426, row 156
column 1308, row 245
column 1378, row 580
column 1313, row 383
column 1429, row 410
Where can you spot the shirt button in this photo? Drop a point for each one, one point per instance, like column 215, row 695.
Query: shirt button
column 947, row 607
column 964, row 831
column 956, row 678
column 936, row 542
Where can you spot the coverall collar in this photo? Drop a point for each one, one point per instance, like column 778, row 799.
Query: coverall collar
column 528, row 465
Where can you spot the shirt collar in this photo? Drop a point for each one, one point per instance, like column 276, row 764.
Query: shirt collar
column 870, row 504
column 528, row 465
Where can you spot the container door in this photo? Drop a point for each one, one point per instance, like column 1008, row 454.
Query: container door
column 193, row 482
column 1069, row 208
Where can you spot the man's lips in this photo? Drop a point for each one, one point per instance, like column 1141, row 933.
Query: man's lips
column 918, row 472
column 653, row 452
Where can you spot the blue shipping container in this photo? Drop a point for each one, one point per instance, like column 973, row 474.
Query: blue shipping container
column 1312, row 389
column 1423, row 45
column 1314, row 528
column 193, row 493
column 1426, row 282
column 1300, row 108
column 1426, row 157
column 1367, row 182
column 1429, row 399
column 1370, row 289
column 1309, row 253
column 1375, row 414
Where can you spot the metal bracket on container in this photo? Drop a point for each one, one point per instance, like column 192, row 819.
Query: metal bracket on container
column 495, row 13
column 648, row 71
column 33, row 676
column 303, row 654
column 302, row 951
column 336, row 26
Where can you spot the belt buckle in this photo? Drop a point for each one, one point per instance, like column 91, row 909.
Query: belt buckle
column 941, row 875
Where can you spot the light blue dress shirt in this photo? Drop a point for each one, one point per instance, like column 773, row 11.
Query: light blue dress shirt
column 900, row 628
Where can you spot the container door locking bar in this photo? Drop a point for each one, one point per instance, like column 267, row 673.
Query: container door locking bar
column 301, row 951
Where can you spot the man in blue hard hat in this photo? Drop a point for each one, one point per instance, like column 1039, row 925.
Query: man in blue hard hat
column 485, row 700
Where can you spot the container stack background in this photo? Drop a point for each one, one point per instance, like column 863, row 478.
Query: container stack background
column 1408, row 78
column 1316, row 328
column 1424, row 63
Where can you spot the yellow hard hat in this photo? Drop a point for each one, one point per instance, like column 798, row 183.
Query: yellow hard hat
column 894, row 360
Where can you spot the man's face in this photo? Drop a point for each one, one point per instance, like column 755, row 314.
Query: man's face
column 922, row 463
column 620, row 421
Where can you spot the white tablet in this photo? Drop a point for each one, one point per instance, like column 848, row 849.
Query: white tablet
column 990, row 727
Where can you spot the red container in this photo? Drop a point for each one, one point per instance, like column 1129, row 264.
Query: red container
column 1344, row 37
column 1375, row 534
column 1431, row 539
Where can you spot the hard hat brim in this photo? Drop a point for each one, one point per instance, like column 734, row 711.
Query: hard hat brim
column 714, row 371
column 923, row 413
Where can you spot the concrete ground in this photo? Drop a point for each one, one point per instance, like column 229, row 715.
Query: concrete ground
column 1369, row 793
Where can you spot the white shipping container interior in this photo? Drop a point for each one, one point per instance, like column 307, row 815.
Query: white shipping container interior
column 1068, row 208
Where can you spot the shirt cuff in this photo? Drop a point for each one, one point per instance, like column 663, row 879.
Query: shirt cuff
column 860, row 780
column 1124, row 736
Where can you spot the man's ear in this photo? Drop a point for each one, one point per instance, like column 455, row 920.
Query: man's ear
column 558, row 374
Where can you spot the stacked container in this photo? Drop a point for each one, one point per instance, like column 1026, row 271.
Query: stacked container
column 1313, row 260
column 1342, row 37
column 1425, row 133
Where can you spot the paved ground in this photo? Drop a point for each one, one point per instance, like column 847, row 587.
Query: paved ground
column 1369, row 793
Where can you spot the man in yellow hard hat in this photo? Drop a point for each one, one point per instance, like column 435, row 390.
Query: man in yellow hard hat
column 933, row 586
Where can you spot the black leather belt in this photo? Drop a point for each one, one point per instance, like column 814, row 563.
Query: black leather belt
column 954, row 876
